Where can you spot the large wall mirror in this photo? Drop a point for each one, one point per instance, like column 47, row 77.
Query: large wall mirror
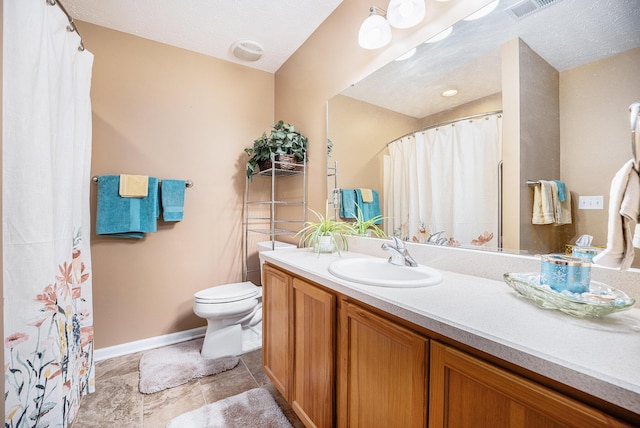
column 551, row 85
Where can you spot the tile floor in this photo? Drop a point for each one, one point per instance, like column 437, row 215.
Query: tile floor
column 118, row 403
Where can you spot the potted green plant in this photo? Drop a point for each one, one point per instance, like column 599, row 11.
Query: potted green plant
column 325, row 235
column 283, row 140
column 362, row 227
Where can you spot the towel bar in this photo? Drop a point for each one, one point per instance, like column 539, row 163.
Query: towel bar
column 187, row 183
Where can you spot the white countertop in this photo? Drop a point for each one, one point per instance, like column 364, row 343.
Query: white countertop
column 598, row 356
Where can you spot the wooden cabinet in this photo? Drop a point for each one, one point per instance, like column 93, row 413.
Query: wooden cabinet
column 299, row 344
column 382, row 380
column 468, row 392
column 383, row 374
column 313, row 349
column 277, row 341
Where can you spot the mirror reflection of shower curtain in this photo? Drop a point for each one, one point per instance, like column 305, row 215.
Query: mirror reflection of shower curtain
column 445, row 179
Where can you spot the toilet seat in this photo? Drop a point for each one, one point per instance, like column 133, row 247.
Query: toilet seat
column 228, row 293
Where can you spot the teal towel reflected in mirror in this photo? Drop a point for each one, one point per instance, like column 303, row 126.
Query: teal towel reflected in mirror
column 350, row 197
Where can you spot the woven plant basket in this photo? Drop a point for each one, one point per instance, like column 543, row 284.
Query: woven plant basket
column 264, row 165
column 287, row 162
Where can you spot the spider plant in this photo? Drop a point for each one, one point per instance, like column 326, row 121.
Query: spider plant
column 315, row 234
column 362, row 227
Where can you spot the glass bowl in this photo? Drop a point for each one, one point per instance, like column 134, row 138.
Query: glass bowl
column 599, row 301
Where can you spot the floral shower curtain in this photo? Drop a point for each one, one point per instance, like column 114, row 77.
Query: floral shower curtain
column 48, row 326
column 445, row 179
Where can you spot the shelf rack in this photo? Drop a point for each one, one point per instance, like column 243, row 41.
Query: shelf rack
column 261, row 214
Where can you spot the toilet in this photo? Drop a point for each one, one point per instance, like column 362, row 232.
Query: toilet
column 234, row 318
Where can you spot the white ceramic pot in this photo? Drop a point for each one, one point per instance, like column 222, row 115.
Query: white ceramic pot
column 325, row 244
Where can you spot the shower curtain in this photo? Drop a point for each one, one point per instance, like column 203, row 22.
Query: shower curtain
column 46, row 143
column 445, row 179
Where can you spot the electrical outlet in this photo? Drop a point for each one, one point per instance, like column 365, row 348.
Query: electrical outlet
column 591, row 202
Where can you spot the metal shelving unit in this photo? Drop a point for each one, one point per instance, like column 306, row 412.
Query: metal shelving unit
column 262, row 209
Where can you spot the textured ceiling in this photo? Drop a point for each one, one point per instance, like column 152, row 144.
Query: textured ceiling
column 567, row 34
column 210, row 27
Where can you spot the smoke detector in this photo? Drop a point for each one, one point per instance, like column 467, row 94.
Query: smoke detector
column 247, row 50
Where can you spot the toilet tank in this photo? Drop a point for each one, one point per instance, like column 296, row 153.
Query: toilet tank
column 274, row 245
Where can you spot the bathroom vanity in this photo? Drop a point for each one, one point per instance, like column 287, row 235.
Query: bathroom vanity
column 465, row 352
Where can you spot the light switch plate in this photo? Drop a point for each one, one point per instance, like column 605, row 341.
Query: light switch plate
column 591, row 202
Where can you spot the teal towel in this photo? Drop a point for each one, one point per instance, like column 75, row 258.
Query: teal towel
column 172, row 199
column 369, row 209
column 347, row 203
column 562, row 190
column 125, row 217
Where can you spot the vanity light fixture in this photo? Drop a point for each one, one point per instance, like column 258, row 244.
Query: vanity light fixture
column 441, row 35
column 407, row 55
column 486, row 10
column 375, row 31
column 449, row 93
column 405, row 13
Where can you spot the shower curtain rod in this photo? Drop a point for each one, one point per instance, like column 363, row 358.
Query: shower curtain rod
column 72, row 26
column 448, row 122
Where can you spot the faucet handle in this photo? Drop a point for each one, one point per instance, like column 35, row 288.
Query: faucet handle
column 398, row 242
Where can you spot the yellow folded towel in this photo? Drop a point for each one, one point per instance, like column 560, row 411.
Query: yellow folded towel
column 134, row 186
column 367, row 195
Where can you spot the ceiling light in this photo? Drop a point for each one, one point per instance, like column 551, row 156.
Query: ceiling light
column 247, row 50
column 375, row 31
column 440, row 36
column 483, row 11
column 449, row 93
column 406, row 55
column 405, row 13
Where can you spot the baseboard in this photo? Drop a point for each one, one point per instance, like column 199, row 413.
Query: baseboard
column 146, row 344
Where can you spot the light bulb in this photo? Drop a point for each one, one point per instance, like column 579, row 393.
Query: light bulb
column 375, row 31
column 405, row 13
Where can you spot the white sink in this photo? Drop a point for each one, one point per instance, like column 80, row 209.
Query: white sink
column 381, row 273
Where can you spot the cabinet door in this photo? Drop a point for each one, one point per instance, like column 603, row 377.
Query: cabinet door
column 313, row 374
column 468, row 392
column 382, row 378
column 276, row 328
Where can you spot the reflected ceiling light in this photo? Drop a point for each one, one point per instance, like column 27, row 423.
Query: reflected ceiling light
column 449, row 93
column 375, row 31
column 483, row 11
column 405, row 13
column 441, row 35
column 406, row 55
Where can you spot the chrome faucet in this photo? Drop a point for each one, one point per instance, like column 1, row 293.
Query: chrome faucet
column 399, row 254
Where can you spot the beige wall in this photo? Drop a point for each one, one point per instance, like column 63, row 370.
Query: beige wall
column 170, row 113
column 594, row 106
column 483, row 105
column 360, row 133
column 531, row 145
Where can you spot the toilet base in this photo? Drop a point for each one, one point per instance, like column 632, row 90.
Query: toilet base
column 231, row 340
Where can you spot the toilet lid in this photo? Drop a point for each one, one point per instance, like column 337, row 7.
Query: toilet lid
column 228, row 293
